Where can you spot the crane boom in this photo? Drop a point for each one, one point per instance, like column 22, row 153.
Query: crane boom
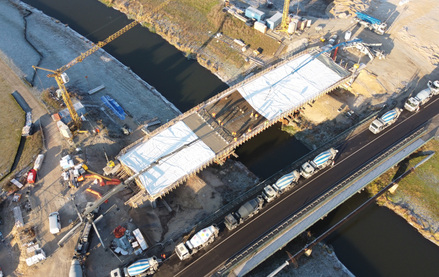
column 96, row 47
column 58, row 74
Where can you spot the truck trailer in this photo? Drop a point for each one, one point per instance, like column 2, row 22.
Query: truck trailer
column 414, row 103
column 200, row 240
column 385, row 120
column 320, row 162
column 284, row 183
column 371, row 23
column 139, row 268
column 249, row 209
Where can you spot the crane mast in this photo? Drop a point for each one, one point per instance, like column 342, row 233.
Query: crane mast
column 61, row 79
column 286, row 10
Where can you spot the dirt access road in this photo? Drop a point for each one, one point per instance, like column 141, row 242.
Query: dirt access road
column 44, row 196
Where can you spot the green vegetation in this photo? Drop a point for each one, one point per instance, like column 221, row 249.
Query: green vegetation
column 11, row 124
column 289, row 129
column 191, row 24
column 32, row 148
column 420, row 188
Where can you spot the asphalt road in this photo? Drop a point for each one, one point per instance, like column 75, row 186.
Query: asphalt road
column 352, row 155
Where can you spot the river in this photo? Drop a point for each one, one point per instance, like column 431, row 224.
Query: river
column 376, row 243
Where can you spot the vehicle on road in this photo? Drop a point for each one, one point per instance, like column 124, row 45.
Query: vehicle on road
column 200, row 240
column 54, row 223
column 247, row 210
column 139, row 268
column 283, row 184
column 320, row 162
column 413, row 104
column 385, row 120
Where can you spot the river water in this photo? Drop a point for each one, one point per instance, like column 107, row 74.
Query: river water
column 376, row 243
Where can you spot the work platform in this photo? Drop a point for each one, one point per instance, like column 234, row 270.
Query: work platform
column 212, row 130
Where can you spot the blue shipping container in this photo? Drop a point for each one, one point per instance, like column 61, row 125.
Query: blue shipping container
column 251, row 12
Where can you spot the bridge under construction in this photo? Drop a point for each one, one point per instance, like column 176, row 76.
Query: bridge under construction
column 212, row 130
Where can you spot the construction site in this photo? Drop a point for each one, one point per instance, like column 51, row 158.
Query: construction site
column 123, row 176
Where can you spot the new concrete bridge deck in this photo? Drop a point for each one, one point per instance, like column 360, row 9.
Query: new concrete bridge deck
column 212, row 130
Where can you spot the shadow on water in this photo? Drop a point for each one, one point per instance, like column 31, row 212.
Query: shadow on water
column 183, row 82
column 271, row 150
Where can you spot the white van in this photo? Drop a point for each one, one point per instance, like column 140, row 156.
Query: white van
column 54, row 223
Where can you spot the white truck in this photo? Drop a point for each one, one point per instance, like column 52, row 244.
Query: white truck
column 385, row 120
column 371, row 23
column 322, row 160
column 414, row 103
column 140, row 268
column 200, row 240
column 284, row 183
column 247, row 210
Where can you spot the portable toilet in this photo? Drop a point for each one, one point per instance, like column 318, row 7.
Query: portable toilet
column 251, row 12
column 274, row 21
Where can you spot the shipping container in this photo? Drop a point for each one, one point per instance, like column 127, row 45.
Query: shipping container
column 251, row 12
column 274, row 21
column 261, row 27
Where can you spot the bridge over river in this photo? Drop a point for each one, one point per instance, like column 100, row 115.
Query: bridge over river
column 211, row 131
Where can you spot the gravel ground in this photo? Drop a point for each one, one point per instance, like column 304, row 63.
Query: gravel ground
column 51, row 44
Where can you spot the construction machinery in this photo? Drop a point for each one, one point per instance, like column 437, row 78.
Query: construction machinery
column 371, row 23
column 366, row 48
column 200, row 240
column 385, row 120
column 414, row 103
column 285, row 16
column 320, row 162
column 61, row 77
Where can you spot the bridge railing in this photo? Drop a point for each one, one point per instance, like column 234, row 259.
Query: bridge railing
column 289, row 221
column 252, row 192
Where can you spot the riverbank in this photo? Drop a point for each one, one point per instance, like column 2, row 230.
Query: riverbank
column 417, row 197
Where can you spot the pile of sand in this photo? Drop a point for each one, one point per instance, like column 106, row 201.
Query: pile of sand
column 346, row 8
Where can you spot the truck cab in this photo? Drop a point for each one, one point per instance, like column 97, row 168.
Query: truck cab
column 269, row 193
column 307, row 170
column 182, row 252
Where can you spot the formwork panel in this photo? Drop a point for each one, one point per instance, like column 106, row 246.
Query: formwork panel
column 289, row 86
column 167, row 157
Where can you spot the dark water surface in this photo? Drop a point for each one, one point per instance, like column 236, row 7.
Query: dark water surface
column 376, row 243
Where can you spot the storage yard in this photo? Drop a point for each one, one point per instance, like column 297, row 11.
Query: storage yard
column 155, row 173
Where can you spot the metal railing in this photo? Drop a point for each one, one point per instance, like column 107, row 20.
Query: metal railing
column 256, row 189
column 272, row 235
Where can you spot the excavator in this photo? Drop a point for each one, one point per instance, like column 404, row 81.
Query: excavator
column 61, row 77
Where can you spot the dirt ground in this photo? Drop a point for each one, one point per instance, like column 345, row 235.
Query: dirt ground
column 411, row 59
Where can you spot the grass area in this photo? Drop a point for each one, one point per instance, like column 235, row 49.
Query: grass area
column 421, row 188
column 11, row 124
column 195, row 21
column 51, row 103
column 32, row 148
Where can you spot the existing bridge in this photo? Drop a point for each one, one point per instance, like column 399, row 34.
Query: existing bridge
column 211, row 131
